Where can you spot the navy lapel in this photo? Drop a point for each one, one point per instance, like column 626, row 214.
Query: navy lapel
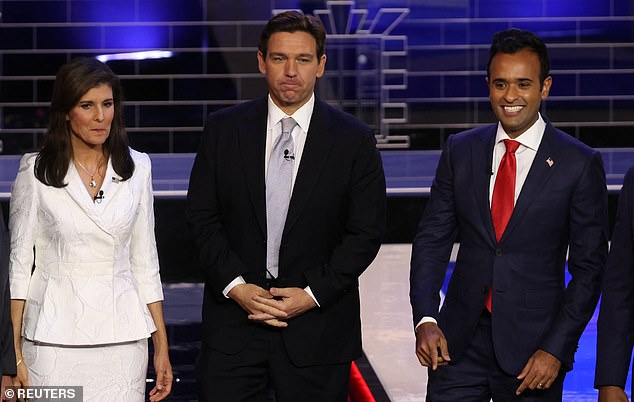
column 482, row 160
column 541, row 169
column 252, row 145
column 318, row 144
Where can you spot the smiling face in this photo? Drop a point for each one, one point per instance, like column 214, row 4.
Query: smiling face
column 515, row 91
column 291, row 67
column 91, row 118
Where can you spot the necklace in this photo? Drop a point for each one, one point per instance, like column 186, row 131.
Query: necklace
column 92, row 183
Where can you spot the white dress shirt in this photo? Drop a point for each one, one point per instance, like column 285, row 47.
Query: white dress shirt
column 274, row 129
column 524, row 156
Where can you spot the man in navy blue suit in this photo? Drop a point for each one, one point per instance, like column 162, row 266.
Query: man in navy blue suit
column 517, row 196
column 615, row 329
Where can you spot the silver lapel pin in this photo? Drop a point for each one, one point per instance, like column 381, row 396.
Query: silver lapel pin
column 550, row 162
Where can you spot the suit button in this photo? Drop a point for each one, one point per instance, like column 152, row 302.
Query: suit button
column 498, row 252
column 485, row 289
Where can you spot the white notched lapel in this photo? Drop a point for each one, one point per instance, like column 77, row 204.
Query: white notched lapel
column 78, row 192
column 111, row 185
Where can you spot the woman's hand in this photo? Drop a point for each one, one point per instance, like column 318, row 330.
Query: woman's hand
column 162, row 365
column 21, row 380
column 164, row 376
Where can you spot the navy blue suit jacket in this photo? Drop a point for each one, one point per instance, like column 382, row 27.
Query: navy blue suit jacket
column 615, row 328
column 333, row 230
column 562, row 205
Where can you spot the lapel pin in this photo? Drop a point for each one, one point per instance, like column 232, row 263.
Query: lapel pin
column 115, row 179
column 550, row 162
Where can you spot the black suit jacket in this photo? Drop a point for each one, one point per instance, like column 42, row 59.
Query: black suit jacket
column 333, row 230
column 615, row 328
column 562, row 207
column 7, row 348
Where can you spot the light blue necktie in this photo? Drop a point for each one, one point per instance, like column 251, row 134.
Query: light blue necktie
column 278, row 192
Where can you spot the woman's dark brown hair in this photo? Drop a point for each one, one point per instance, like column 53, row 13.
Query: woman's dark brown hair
column 73, row 80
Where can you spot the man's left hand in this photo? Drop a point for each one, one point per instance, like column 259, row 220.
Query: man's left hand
column 540, row 372
column 292, row 301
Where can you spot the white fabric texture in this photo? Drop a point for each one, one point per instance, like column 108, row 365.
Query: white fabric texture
column 96, row 265
column 106, row 373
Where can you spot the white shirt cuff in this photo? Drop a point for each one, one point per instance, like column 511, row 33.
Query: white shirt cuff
column 424, row 320
column 238, row 281
column 310, row 293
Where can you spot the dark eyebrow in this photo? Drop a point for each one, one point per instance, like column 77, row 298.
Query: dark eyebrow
column 307, row 55
column 83, row 102
column 518, row 80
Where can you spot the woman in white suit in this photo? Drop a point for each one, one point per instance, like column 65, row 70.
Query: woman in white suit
column 84, row 273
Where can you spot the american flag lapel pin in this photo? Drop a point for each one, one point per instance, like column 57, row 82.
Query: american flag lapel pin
column 550, row 162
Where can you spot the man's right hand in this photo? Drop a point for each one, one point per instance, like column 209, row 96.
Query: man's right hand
column 431, row 346
column 612, row 394
column 244, row 293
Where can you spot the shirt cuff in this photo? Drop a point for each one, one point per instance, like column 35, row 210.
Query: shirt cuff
column 310, row 293
column 424, row 320
column 238, row 281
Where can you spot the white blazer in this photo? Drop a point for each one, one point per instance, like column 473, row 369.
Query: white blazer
column 96, row 265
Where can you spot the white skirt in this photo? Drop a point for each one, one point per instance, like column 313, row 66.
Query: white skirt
column 113, row 372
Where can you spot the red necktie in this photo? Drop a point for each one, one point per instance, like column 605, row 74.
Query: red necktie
column 503, row 199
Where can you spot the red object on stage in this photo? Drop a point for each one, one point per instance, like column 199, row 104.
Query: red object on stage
column 358, row 390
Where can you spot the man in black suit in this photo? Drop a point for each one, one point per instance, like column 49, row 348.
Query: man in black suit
column 287, row 213
column 615, row 328
column 8, row 365
column 517, row 195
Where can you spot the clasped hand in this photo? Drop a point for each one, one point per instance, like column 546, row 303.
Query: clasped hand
column 273, row 307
